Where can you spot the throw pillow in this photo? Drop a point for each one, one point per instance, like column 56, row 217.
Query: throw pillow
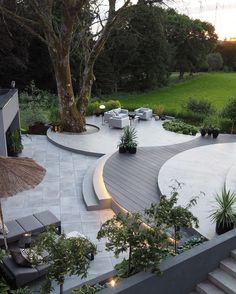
column 19, row 258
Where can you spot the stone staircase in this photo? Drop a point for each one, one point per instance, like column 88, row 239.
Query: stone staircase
column 222, row 280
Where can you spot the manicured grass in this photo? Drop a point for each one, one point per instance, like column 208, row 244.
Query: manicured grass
column 216, row 87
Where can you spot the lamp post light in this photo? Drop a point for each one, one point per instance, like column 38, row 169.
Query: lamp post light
column 102, row 108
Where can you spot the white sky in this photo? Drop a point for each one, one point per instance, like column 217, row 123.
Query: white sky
column 221, row 13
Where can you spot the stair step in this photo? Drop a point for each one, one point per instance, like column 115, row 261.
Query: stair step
column 223, row 280
column 233, row 253
column 89, row 195
column 208, row 288
column 229, row 266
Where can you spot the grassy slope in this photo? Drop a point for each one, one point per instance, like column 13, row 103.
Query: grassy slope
column 217, row 87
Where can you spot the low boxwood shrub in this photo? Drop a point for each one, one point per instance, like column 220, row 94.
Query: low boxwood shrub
column 93, row 107
column 180, row 127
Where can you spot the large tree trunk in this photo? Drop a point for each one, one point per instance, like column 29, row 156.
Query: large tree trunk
column 72, row 120
column 86, row 88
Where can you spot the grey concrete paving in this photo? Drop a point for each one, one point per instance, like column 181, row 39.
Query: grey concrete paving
column 214, row 166
column 150, row 133
column 60, row 192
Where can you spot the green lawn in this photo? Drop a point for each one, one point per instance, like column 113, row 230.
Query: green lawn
column 216, row 87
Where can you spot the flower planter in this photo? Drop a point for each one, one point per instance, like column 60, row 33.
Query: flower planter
column 221, row 229
column 38, row 129
column 203, row 132
column 122, row 150
column 215, row 133
column 132, row 150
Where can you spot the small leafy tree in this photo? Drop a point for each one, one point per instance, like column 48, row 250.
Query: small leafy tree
column 147, row 246
column 229, row 111
column 167, row 214
column 66, row 256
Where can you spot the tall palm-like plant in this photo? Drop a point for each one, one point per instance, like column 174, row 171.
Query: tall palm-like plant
column 225, row 213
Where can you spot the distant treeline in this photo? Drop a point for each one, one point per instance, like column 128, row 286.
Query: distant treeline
column 140, row 55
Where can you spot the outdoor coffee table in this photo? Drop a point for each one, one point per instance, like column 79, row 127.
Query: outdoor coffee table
column 133, row 117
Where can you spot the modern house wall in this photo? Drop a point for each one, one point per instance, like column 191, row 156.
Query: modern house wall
column 9, row 116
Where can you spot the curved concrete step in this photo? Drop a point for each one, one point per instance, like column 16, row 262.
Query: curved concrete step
column 208, row 288
column 223, row 280
column 103, row 196
column 89, row 196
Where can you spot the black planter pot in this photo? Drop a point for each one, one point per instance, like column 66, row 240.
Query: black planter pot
column 215, row 134
column 122, row 149
column 221, row 229
column 13, row 154
column 203, row 132
column 132, row 150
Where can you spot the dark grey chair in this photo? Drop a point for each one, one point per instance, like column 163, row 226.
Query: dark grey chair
column 18, row 276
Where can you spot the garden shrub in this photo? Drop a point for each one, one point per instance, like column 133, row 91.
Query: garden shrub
column 191, row 117
column 111, row 104
column 226, row 125
column 94, row 106
column 211, row 122
column 159, row 110
column 32, row 116
column 201, row 106
column 180, row 127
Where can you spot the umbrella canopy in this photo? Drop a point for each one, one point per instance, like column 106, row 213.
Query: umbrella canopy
column 18, row 174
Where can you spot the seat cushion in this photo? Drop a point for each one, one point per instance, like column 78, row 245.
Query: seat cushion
column 30, row 224
column 19, row 258
column 15, row 231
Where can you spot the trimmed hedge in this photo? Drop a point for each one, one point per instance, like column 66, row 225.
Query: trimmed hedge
column 93, row 107
column 180, row 127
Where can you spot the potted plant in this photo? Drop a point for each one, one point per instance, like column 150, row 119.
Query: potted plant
column 210, row 124
column 224, row 214
column 215, row 132
column 128, row 141
column 121, row 145
column 203, row 131
column 14, row 144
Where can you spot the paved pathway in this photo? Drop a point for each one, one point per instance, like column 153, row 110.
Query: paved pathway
column 60, row 192
column 150, row 133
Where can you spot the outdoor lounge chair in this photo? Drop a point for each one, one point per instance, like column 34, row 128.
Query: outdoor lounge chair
column 115, row 112
column 143, row 113
column 18, row 276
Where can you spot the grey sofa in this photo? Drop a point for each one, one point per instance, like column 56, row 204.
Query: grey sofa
column 17, row 275
column 115, row 112
column 144, row 113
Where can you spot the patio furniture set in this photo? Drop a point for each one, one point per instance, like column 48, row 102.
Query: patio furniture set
column 14, row 268
column 121, row 118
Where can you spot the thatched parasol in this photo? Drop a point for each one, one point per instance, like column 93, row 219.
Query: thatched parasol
column 16, row 175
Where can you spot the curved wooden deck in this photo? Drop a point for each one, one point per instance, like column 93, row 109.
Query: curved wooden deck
column 132, row 179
